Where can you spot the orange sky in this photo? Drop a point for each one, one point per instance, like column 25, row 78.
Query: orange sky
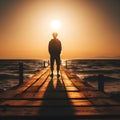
column 89, row 28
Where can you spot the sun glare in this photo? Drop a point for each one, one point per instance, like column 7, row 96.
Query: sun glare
column 55, row 24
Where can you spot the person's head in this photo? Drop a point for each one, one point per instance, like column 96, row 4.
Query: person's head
column 55, row 34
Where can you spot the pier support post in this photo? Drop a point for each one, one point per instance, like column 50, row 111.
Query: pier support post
column 101, row 82
column 48, row 63
column 66, row 63
column 44, row 64
column 20, row 73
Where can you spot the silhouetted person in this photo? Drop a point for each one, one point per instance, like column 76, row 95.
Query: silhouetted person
column 54, row 50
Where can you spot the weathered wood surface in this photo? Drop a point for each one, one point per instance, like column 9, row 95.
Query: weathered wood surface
column 66, row 97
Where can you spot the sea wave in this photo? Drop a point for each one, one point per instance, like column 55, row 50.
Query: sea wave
column 9, row 71
column 8, row 76
column 86, row 69
column 105, row 78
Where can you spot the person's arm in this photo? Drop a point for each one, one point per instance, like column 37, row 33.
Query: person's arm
column 60, row 47
column 49, row 47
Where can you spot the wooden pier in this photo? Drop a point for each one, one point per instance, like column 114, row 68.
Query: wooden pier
column 64, row 98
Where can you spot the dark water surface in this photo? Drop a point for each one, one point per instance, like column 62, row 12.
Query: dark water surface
column 9, row 71
column 87, row 70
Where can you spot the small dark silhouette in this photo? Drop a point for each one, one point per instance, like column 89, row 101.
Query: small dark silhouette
column 55, row 50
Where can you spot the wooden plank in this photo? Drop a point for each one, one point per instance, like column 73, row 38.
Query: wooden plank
column 14, row 92
column 36, row 94
column 67, row 83
column 35, row 87
column 85, row 112
column 46, row 102
column 105, row 101
column 63, row 97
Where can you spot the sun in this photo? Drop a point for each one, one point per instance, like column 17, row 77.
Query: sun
column 55, row 24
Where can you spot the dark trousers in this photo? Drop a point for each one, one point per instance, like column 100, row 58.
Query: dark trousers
column 54, row 58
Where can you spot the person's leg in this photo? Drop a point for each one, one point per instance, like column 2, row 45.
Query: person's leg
column 52, row 64
column 58, row 64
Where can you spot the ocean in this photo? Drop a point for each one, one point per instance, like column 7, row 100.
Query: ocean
column 87, row 70
column 9, row 71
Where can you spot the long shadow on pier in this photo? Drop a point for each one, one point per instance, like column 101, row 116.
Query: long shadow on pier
column 56, row 104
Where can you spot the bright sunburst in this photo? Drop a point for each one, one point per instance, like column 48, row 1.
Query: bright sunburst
column 55, row 24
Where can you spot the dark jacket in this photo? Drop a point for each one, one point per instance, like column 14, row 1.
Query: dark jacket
column 54, row 47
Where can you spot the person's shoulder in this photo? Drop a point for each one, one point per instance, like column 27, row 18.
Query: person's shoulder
column 51, row 40
column 58, row 40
